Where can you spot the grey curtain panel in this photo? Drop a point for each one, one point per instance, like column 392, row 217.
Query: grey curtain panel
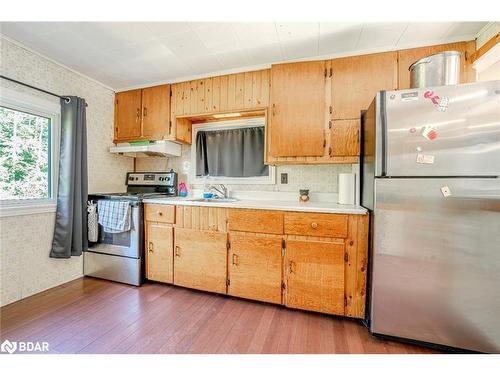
column 231, row 153
column 70, row 231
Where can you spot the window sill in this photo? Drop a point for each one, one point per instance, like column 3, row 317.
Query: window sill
column 7, row 210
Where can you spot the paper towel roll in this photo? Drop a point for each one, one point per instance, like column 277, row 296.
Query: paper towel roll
column 347, row 188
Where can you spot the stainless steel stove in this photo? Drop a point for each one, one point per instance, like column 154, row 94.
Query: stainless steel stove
column 119, row 256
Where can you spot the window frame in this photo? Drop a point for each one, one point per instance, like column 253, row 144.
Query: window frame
column 227, row 125
column 37, row 106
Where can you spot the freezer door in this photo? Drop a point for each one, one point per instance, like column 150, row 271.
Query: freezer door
column 443, row 131
column 436, row 261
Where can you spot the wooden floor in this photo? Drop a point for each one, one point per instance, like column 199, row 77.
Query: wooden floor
column 96, row 316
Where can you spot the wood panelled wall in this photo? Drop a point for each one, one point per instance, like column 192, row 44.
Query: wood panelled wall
column 227, row 93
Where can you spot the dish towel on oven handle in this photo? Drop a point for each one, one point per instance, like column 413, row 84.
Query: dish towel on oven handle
column 114, row 216
column 92, row 221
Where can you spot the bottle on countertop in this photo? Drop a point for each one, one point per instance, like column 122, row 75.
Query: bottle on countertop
column 183, row 190
column 207, row 194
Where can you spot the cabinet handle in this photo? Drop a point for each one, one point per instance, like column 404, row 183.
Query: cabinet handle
column 177, row 252
column 138, row 115
column 290, row 266
column 314, row 225
column 274, row 109
column 144, row 112
column 235, row 258
column 150, row 246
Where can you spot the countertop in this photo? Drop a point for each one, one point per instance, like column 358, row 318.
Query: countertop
column 322, row 207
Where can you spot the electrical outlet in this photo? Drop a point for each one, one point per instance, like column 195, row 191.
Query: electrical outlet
column 284, row 178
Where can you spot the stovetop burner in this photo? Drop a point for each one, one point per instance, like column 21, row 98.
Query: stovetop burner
column 142, row 185
column 132, row 195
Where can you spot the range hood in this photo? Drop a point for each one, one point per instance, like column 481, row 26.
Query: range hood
column 145, row 149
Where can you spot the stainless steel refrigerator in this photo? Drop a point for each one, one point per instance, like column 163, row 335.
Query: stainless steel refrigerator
column 431, row 179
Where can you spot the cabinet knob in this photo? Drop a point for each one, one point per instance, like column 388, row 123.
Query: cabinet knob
column 314, row 225
column 160, row 213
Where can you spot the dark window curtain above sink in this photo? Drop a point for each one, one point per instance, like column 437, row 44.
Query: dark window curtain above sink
column 231, row 153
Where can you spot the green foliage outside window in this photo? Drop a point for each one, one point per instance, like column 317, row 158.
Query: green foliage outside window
column 24, row 155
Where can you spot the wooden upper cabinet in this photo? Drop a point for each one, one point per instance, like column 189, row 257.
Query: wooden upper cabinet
column 357, row 79
column 200, row 259
column 159, row 252
column 128, row 115
column 142, row 114
column 315, row 276
column 156, row 112
column 297, row 118
column 344, row 138
column 408, row 56
column 255, row 266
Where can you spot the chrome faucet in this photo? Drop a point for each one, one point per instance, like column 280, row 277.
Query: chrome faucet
column 222, row 190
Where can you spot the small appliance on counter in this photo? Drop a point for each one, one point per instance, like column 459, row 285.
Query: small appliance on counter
column 118, row 252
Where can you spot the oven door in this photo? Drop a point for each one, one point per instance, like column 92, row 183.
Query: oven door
column 126, row 244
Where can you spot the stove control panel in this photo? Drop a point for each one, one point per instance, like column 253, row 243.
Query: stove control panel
column 152, row 178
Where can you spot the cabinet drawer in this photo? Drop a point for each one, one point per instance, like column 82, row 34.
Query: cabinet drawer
column 258, row 221
column 159, row 212
column 322, row 225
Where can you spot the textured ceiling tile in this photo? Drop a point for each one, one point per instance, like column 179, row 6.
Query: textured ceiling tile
column 128, row 53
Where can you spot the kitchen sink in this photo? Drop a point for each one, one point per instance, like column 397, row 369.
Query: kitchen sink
column 220, row 200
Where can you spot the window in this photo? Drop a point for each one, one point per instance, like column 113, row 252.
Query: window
column 231, row 152
column 28, row 135
column 24, row 155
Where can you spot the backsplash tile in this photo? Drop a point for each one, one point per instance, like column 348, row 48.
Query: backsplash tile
column 317, row 178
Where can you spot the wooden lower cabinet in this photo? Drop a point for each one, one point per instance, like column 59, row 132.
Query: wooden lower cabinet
column 309, row 261
column 314, row 272
column 255, row 266
column 159, row 252
column 200, row 259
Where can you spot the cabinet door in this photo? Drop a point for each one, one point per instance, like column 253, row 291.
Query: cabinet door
column 200, row 260
column 128, row 115
column 408, row 56
column 297, row 109
column 357, row 79
column 315, row 276
column 156, row 112
column 345, row 138
column 159, row 252
column 255, row 267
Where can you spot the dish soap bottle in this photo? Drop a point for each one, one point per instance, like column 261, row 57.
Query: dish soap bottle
column 183, row 191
